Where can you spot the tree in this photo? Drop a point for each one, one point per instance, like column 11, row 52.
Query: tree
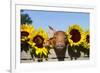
column 25, row 19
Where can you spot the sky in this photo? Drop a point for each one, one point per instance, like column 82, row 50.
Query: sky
column 60, row 21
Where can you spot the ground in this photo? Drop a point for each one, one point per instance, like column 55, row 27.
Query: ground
column 26, row 58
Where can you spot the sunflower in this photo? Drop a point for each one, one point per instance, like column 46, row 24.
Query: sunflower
column 26, row 31
column 37, row 40
column 41, row 51
column 42, row 33
column 75, row 35
column 86, row 42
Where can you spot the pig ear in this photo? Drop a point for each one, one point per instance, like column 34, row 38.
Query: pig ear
column 51, row 32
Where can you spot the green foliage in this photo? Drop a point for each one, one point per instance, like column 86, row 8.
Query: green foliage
column 25, row 19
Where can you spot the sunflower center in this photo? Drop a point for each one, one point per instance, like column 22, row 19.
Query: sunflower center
column 87, row 39
column 76, row 36
column 24, row 33
column 39, row 41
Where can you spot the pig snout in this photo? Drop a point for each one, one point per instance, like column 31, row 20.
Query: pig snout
column 60, row 45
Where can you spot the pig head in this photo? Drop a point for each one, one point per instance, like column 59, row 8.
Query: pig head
column 59, row 43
